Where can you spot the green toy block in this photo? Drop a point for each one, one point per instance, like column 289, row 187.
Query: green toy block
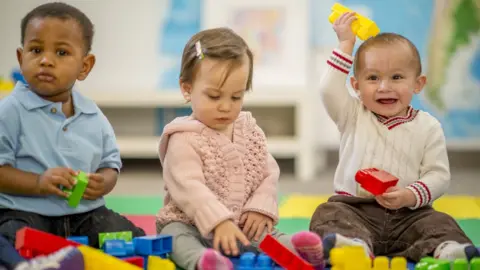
column 76, row 194
column 440, row 265
column 102, row 237
column 475, row 264
column 460, row 264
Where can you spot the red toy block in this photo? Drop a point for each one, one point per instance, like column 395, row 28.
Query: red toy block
column 282, row 255
column 137, row 260
column 375, row 181
column 34, row 243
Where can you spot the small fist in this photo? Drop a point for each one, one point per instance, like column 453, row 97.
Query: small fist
column 343, row 27
column 95, row 188
column 50, row 181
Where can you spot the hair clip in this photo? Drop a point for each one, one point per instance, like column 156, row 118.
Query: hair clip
column 198, row 47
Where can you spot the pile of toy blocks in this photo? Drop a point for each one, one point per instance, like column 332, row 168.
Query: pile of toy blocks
column 119, row 251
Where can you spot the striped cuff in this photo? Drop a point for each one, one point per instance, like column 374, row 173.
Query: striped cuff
column 340, row 61
column 422, row 194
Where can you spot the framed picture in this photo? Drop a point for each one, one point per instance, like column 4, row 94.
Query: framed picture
column 276, row 31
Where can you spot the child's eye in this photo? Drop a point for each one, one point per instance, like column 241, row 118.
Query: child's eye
column 236, row 98
column 397, row 77
column 62, row 52
column 372, row 78
column 214, row 97
column 36, row 50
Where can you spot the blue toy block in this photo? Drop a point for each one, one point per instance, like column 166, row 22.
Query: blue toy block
column 251, row 261
column 79, row 239
column 153, row 245
column 118, row 248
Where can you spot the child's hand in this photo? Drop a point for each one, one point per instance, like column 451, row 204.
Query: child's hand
column 95, row 188
column 226, row 235
column 51, row 179
column 343, row 28
column 254, row 224
column 396, row 198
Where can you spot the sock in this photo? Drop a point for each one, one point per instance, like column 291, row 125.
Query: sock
column 213, row 260
column 309, row 247
column 451, row 250
column 9, row 257
column 336, row 240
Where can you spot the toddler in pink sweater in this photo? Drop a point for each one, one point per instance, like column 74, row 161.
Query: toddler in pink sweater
column 221, row 181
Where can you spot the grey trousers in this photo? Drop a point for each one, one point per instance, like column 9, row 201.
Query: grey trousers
column 189, row 245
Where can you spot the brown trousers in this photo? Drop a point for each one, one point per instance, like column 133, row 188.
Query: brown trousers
column 413, row 234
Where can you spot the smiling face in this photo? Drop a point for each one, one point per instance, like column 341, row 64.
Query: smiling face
column 217, row 91
column 53, row 57
column 387, row 78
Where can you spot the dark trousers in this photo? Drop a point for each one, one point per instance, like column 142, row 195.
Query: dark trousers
column 413, row 234
column 85, row 224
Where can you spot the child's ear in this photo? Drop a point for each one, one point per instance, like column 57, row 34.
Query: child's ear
column 88, row 63
column 420, row 83
column 186, row 89
column 354, row 84
column 20, row 56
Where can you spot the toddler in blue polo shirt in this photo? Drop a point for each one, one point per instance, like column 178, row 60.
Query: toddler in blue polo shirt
column 49, row 132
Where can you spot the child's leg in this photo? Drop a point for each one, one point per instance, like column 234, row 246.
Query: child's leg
column 9, row 257
column 190, row 250
column 426, row 232
column 101, row 220
column 10, row 222
column 346, row 221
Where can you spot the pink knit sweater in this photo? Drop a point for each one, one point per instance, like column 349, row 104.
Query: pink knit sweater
column 210, row 179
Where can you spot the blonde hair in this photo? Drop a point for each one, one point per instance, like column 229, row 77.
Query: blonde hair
column 385, row 39
column 216, row 43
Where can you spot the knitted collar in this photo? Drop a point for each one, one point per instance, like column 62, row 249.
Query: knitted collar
column 392, row 122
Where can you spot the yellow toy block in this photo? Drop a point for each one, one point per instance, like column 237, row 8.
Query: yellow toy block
column 354, row 258
column 155, row 263
column 363, row 27
column 381, row 263
column 97, row 260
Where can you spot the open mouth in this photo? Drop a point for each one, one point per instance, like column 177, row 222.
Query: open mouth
column 387, row 101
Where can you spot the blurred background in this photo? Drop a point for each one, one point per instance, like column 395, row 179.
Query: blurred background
column 138, row 45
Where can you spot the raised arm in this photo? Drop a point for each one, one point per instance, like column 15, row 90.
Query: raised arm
column 185, row 181
column 339, row 104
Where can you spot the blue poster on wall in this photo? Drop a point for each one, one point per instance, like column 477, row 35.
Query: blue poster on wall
column 182, row 20
column 443, row 30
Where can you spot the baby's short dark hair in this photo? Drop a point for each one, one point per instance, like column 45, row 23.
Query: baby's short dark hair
column 387, row 39
column 64, row 12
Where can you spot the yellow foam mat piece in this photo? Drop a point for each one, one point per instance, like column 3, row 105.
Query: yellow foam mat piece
column 459, row 207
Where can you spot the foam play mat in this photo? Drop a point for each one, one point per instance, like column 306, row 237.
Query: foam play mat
column 296, row 210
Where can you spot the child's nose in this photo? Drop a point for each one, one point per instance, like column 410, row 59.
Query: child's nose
column 384, row 86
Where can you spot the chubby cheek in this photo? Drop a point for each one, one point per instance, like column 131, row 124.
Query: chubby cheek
column 203, row 108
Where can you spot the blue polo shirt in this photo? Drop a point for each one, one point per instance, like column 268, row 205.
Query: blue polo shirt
column 35, row 136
